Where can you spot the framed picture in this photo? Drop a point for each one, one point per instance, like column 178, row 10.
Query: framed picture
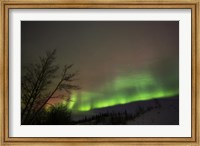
column 99, row 72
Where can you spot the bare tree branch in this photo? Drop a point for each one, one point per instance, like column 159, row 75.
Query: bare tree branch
column 36, row 81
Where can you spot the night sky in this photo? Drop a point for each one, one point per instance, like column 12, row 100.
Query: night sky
column 118, row 61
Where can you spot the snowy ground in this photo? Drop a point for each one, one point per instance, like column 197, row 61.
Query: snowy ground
column 161, row 112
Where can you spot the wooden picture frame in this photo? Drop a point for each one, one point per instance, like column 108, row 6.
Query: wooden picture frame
column 44, row 4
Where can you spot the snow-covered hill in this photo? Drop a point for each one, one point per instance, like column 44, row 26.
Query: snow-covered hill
column 153, row 112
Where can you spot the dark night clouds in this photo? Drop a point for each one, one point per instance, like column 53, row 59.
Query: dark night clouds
column 101, row 50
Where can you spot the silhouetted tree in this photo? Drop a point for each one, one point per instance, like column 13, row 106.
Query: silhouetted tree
column 37, row 85
column 58, row 115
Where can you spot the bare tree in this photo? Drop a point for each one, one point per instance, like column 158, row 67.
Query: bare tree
column 36, row 82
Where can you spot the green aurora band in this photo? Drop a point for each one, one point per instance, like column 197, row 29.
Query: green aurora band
column 125, row 89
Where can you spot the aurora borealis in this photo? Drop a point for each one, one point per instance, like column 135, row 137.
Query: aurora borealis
column 119, row 62
column 122, row 90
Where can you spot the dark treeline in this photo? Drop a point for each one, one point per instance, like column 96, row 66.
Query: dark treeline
column 115, row 118
column 55, row 115
column 60, row 115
